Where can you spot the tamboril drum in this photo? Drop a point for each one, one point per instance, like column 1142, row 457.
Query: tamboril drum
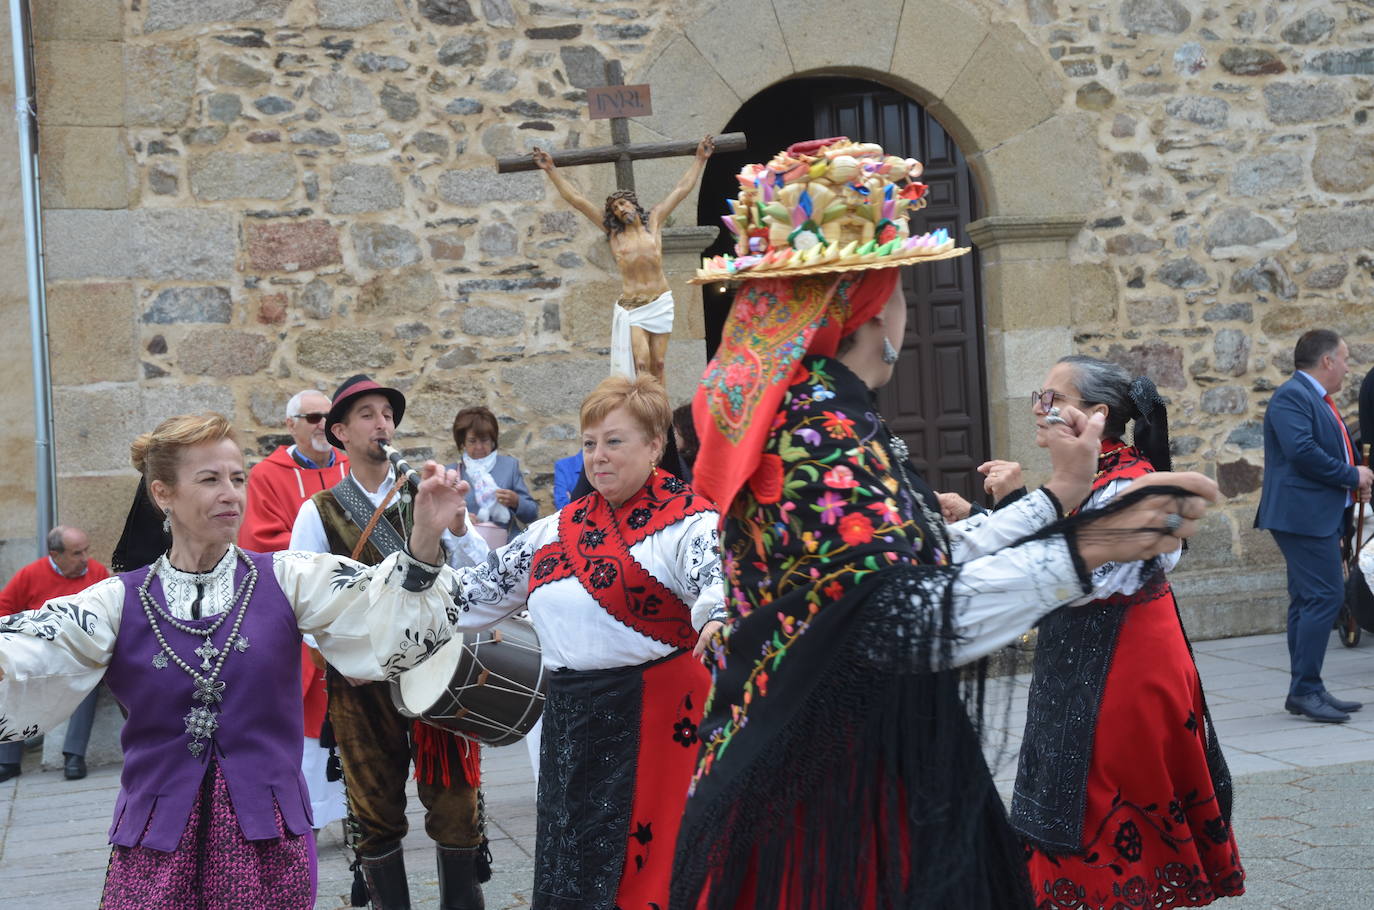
column 488, row 686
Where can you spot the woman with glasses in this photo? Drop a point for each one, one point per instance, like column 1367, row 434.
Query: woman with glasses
column 1122, row 795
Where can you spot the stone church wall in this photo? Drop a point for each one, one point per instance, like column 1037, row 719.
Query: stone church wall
column 248, row 197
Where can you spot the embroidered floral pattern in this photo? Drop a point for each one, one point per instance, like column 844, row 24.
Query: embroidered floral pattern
column 842, row 515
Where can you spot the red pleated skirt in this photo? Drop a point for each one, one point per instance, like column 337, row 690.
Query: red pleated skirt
column 1153, row 833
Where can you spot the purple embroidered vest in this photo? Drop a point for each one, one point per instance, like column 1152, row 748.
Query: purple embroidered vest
column 258, row 742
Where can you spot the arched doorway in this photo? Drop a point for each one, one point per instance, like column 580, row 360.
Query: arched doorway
column 937, row 399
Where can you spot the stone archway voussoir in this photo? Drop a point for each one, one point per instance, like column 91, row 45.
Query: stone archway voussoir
column 689, row 97
column 743, row 44
column 821, row 33
column 1050, row 168
column 935, row 42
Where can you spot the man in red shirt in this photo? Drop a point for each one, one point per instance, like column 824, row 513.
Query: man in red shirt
column 67, row 569
column 281, row 482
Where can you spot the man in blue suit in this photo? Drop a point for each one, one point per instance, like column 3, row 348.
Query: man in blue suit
column 1311, row 478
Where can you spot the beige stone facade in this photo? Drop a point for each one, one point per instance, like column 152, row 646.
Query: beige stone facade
column 248, row 197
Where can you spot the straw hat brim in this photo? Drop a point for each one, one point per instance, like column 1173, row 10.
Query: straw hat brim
column 886, row 262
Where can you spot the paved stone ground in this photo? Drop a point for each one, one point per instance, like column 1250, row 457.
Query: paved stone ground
column 1304, row 810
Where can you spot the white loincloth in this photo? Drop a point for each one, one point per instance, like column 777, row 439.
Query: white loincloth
column 655, row 317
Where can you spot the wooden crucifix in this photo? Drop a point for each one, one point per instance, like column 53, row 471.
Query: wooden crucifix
column 642, row 319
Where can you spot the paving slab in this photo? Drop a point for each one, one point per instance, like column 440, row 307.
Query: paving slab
column 1304, row 804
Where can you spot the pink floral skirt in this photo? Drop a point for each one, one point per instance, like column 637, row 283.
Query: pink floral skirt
column 214, row 867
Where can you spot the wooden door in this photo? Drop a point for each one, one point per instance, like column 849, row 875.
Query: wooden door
column 936, row 399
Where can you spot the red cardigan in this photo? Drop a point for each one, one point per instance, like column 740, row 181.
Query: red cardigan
column 38, row 582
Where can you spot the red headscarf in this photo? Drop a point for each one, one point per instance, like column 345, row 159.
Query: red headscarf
column 774, row 323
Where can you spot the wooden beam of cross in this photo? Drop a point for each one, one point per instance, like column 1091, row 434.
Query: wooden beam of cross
column 621, row 151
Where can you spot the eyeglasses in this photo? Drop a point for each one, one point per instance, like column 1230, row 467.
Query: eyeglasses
column 312, row 418
column 1046, row 398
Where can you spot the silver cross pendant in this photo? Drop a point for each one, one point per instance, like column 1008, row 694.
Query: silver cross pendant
column 206, row 652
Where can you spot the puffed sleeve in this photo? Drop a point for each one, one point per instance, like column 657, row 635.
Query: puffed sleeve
column 1122, row 577
column 979, row 535
column 370, row 622
column 54, row 656
column 696, row 576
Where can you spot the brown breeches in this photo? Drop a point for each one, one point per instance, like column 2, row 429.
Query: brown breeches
column 374, row 745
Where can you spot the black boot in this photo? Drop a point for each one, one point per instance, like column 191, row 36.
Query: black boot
column 386, row 880
column 458, row 888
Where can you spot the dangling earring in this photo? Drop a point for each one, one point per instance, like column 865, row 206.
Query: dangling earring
column 166, row 521
column 890, row 353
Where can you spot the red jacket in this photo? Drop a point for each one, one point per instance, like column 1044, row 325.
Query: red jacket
column 38, row 582
column 277, row 488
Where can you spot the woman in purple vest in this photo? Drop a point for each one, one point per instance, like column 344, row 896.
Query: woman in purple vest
column 201, row 650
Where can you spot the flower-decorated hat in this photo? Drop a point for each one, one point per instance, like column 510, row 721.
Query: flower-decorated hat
column 828, row 205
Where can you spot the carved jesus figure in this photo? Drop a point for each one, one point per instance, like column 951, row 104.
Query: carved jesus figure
column 643, row 316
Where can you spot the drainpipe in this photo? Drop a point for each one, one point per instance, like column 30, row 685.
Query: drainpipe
column 45, row 461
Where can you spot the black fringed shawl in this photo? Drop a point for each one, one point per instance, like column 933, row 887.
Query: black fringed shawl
column 838, row 770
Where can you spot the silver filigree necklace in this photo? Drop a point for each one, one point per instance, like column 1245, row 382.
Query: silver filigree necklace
column 201, row 722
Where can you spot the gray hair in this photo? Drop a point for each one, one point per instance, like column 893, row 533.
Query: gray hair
column 1104, row 382
column 57, row 539
column 293, row 406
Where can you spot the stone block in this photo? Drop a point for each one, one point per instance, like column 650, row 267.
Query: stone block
column 190, row 304
column 80, row 83
column 363, row 188
column 342, row 95
column 227, row 69
column 491, row 322
column 168, row 400
column 498, row 13
column 98, row 504
column 1055, row 162
column 316, row 299
column 186, row 244
column 1326, row 277
column 160, row 80
column 224, row 352
column 1152, row 311
column 94, row 425
column 690, row 114
column 447, row 12
column 477, row 186
column 1336, row 231
column 1265, row 175
column 407, row 291
column 1342, row 63
column 170, row 14
column 1248, row 435
column 1237, row 231
column 1028, row 294
column 349, row 14
column 384, row 246
column 84, row 243
column 1160, row 361
column 224, row 107
column 1155, row 17
column 84, row 167
column 585, row 67
column 470, row 51
column 1312, row 27
column 1268, row 276
column 1229, row 312
column 339, row 352
column 1225, row 399
column 1181, row 273
column 292, row 246
column 92, row 336
column 1302, row 102
column 499, row 239
column 401, row 105
column 977, row 120
column 1094, row 96
column 446, row 247
column 1237, row 478
column 1203, row 110
column 551, row 386
column 235, row 175
column 1213, row 546
column 57, row 20
column 742, row 47
column 1132, row 244
column 1343, row 161
column 1251, row 61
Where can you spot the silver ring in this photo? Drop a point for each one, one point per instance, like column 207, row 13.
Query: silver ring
column 1055, row 418
column 1173, row 523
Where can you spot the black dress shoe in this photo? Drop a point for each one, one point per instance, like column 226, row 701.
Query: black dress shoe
column 1312, row 705
column 1340, row 704
column 8, row 770
column 74, row 768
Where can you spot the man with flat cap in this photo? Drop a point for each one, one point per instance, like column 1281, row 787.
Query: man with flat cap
column 375, row 742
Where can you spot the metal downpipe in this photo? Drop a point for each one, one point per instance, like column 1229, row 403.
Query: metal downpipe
column 45, row 460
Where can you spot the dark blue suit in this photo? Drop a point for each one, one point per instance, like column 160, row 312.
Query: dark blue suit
column 1308, row 480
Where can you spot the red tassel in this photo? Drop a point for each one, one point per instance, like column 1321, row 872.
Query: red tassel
column 436, row 751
